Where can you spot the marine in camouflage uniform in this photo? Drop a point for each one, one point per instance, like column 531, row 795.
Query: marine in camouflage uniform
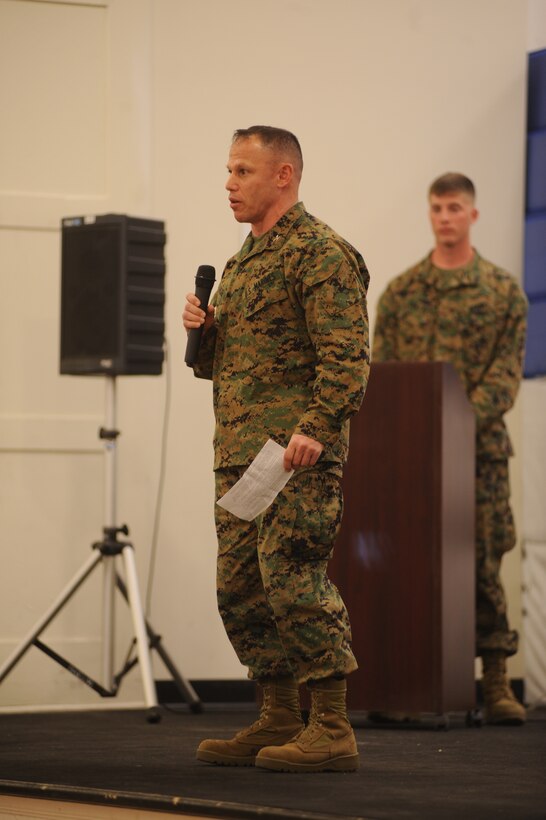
column 288, row 356
column 454, row 306
column 474, row 318
column 288, row 352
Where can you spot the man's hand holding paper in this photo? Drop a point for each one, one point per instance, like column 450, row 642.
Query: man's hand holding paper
column 259, row 485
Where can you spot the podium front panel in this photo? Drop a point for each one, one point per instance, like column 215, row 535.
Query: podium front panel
column 404, row 559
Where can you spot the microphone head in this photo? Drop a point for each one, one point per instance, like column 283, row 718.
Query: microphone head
column 205, row 275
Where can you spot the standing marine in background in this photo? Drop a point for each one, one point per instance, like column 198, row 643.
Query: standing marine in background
column 286, row 345
column 454, row 306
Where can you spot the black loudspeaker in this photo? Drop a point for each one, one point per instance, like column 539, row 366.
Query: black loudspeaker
column 112, row 295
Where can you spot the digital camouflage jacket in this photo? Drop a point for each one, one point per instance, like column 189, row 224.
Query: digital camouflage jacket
column 473, row 317
column 289, row 348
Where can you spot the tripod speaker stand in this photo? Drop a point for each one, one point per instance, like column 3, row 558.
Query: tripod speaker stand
column 107, row 552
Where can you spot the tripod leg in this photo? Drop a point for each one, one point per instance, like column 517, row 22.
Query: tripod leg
column 39, row 627
column 183, row 685
column 108, row 620
column 139, row 626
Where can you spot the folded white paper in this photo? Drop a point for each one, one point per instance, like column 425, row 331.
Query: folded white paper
column 259, row 485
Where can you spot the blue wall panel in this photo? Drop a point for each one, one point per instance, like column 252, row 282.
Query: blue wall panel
column 535, row 219
column 536, row 105
column 536, row 171
column 535, row 256
column 535, row 351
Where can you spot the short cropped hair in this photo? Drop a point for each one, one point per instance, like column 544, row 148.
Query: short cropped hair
column 452, row 183
column 278, row 139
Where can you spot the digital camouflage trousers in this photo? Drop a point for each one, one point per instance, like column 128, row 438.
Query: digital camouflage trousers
column 281, row 612
column 495, row 535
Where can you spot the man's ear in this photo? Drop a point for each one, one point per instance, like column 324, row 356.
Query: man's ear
column 285, row 174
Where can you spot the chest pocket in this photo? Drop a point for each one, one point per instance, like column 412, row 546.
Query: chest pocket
column 479, row 330
column 273, row 335
column 416, row 318
column 267, row 300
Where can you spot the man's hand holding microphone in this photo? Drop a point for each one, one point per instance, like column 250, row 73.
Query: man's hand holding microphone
column 198, row 315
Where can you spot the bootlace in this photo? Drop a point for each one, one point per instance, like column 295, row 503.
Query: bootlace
column 495, row 680
column 262, row 717
column 317, row 715
column 314, row 727
column 499, row 689
column 321, row 703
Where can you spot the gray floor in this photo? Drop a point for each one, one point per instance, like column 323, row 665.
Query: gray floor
column 415, row 772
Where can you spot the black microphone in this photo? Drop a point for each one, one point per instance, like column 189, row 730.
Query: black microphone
column 204, row 280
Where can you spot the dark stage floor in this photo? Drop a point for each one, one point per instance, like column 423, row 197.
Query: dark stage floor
column 117, row 757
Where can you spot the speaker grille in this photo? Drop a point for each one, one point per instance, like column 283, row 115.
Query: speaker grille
column 112, row 295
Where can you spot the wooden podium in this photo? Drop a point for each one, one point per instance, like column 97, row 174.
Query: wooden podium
column 404, row 559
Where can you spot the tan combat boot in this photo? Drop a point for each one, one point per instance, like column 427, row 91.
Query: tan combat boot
column 279, row 721
column 501, row 705
column 327, row 744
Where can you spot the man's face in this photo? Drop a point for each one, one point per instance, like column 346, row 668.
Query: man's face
column 451, row 217
column 252, row 181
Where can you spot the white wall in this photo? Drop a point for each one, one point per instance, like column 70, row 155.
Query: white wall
column 383, row 96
